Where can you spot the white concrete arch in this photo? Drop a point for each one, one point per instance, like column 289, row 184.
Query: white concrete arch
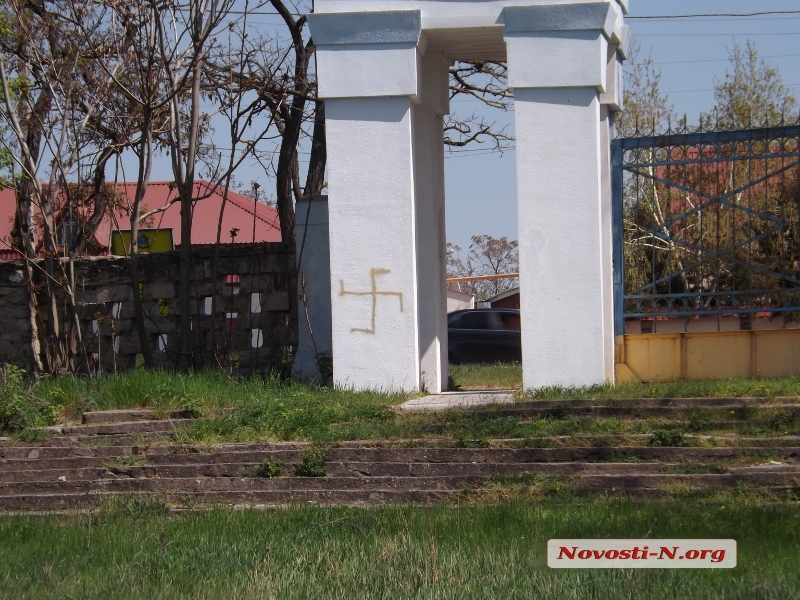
column 383, row 71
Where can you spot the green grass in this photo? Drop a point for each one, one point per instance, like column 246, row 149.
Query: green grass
column 133, row 551
column 500, row 376
column 736, row 387
column 274, row 410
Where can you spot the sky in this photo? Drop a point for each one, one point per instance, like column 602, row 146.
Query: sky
column 691, row 53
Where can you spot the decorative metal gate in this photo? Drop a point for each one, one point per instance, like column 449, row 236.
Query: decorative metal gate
column 706, row 224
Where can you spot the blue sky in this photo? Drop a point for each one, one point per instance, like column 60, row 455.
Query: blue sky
column 481, row 188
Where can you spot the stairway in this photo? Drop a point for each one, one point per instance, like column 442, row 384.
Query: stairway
column 132, row 454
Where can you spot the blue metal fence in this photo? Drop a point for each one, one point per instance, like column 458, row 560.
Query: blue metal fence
column 706, row 223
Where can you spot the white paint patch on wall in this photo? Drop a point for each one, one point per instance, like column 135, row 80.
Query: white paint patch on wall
column 255, row 303
column 257, row 338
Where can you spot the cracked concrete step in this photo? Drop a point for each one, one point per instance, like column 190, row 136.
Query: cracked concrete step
column 682, row 403
column 211, row 484
column 101, row 417
column 372, row 470
column 533, row 411
column 489, row 401
column 37, row 458
column 661, row 483
column 117, row 416
column 343, row 490
column 151, row 440
column 69, row 502
column 126, row 427
column 335, row 469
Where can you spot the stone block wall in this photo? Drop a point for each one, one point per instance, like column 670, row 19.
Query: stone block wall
column 253, row 326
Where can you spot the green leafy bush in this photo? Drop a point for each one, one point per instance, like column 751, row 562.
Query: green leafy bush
column 669, row 438
column 270, row 468
column 699, row 423
column 786, row 421
column 191, row 407
column 313, row 463
column 20, row 409
column 30, row 436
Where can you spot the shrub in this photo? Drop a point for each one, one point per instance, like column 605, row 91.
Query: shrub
column 191, row 407
column 785, row 421
column 270, row 468
column 30, row 436
column 313, row 463
column 699, row 423
column 671, row 438
column 19, row 409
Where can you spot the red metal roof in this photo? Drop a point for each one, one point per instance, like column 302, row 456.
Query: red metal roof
column 241, row 213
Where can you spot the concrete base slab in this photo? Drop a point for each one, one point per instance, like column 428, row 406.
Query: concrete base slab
column 456, row 400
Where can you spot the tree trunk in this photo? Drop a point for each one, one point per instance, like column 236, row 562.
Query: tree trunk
column 143, row 178
column 185, row 276
column 315, row 180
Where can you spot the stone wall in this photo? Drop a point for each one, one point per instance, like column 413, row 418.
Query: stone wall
column 253, row 326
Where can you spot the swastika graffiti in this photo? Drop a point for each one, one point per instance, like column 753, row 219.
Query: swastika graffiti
column 374, row 273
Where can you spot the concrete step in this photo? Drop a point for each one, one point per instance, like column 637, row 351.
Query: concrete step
column 101, row 417
column 125, row 439
column 74, row 458
column 212, row 484
column 661, row 483
column 194, row 492
column 533, row 411
column 682, row 403
column 470, row 400
column 126, row 427
column 334, row 469
column 117, row 416
column 372, row 470
column 248, row 498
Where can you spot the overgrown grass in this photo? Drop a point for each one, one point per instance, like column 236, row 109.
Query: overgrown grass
column 273, row 410
column 736, row 387
column 290, row 407
column 135, row 550
column 499, row 376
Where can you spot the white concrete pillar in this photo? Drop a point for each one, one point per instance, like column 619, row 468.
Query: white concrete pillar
column 433, row 103
column 558, row 58
column 367, row 65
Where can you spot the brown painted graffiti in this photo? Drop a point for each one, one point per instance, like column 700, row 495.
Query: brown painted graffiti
column 374, row 273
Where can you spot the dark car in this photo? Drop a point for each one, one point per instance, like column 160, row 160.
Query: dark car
column 484, row 335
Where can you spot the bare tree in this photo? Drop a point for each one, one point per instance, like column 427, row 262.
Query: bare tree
column 487, row 256
column 48, row 115
column 486, row 81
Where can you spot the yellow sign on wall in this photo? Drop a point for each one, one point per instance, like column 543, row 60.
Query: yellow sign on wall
column 148, row 240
